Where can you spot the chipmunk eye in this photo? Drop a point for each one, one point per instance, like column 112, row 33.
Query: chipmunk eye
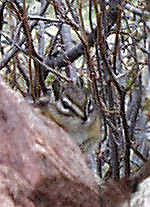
column 65, row 104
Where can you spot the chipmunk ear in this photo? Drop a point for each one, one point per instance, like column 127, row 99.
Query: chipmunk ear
column 42, row 101
column 57, row 89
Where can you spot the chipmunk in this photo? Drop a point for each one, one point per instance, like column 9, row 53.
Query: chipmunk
column 73, row 109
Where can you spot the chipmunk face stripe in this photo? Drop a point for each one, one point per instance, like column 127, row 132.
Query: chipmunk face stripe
column 67, row 107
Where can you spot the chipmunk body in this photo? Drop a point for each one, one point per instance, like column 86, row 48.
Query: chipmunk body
column 73, row 109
